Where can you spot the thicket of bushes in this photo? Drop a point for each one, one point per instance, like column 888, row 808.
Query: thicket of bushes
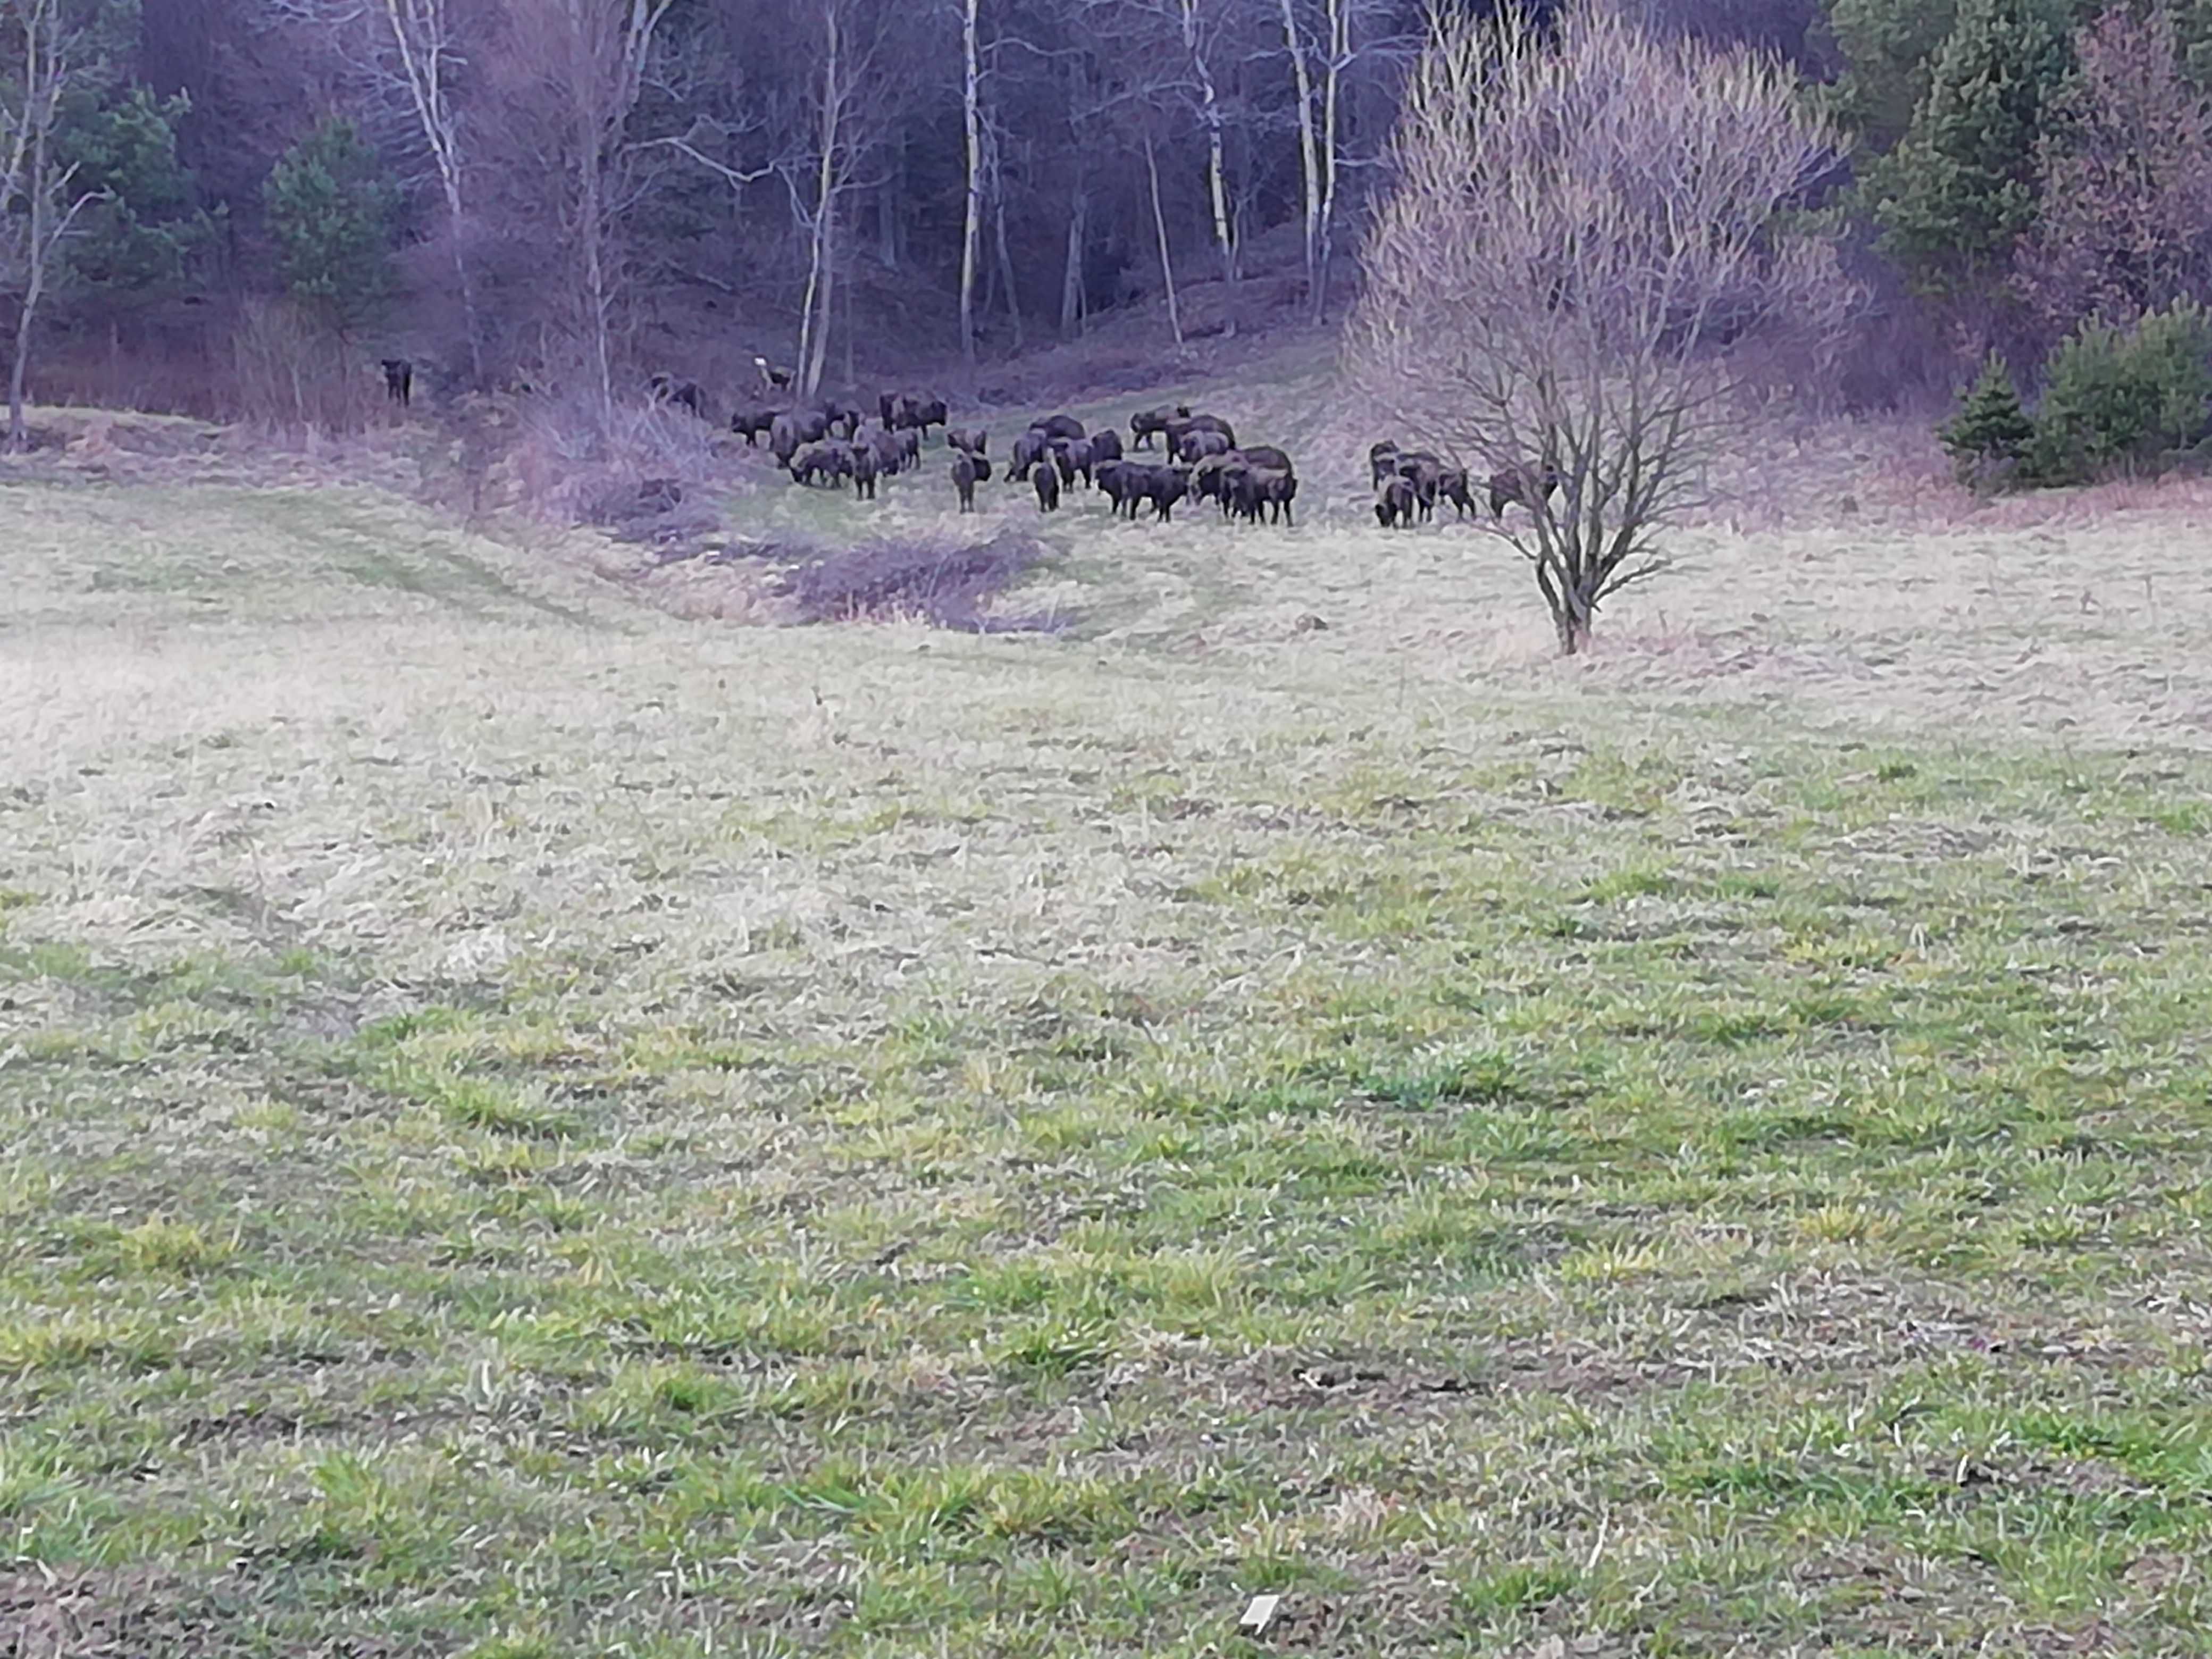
column 2133, row 400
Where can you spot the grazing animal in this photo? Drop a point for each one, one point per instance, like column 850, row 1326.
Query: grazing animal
column 753, row 423
column 1073, row 456
column 964, row 480
column 927, row 412
column 890, row 456
column 1265, row 490
column 1382, row 462
column 667, row 389
column 1426, row 472
column 1119, row 480
column 1394, row 502
column 909, row 445
column 844, row 414
column 1029, row 448
column 1213, row 479
column 774, row 379
column 1177, row 430
column 889, row 406
column 831, row 459
column 1522, row 484
column 1453, row 487
column 1196, row 446
column 1046, row 480
column 1144, row 425
column 791, row 429
column 1105, row 446
column 1266, row 455
column 1060, row 426
column 1166, row 486
column 973, row 439
column 399, row 380
column 863, row 460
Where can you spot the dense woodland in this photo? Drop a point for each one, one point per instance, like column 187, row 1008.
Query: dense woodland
column 201, row 192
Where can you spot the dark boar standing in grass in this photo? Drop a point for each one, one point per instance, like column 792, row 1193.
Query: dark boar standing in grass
column 1265, row 490
column 973, row 439
column 843, row 418
column 788, row 430
column 1195, row 446
column 1522, row 484
column 1177, row 430
column 1212, row 479
column 753, row 423
column 1046, row 480
column 1426, row 472
column 891, row 409
column 1029, row 448
column 1382, row 462
column 1146, row 424
column 1105, row 446
column 686, row 394
column 399, row 380
column 891, row 458
column 1394, row 502
column 1118, row 483
column 929, row 412
column 832, row 460
column 863, row 457
column 964, row 480
column 1061, row 426
column 1454, row 487
column 1072, row 457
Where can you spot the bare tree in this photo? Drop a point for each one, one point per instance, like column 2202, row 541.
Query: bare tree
column 2126, row 222
column 587, row 59
column 972, row 111
column 1587, row 256
column 37, row 204
column 424, row 53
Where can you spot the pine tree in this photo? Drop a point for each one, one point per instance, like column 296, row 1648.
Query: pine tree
column 1991, row 432
column 1959, row 189
column 138, row 240
column 331, row 207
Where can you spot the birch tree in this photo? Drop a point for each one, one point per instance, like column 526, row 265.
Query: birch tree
column 43, row 56
column 589, row 58
column 972, row 222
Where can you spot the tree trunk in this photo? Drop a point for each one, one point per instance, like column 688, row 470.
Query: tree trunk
column 1013, row 294
column 1216, row 179
column 814, row 311
column 422, row 37
column 1160, row 227
column 591, row 232
column 1339, row 57
column 972, row 222
column 1071, row 280
column 1308, row 151
column 41, row 88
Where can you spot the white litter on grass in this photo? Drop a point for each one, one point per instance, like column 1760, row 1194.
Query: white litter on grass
column 1259, row 1613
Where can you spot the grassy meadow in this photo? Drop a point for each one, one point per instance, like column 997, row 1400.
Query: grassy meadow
column 529, row 1126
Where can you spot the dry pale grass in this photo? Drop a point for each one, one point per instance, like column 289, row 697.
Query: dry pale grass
column 537, row 1127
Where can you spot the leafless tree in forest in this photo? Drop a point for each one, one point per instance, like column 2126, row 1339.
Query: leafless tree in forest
column 1587, row 256
column 2126, row 225
column 40, row 56
column 407, row 56
column 585, row 61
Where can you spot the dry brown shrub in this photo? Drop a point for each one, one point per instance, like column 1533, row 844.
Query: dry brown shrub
column 294, row 375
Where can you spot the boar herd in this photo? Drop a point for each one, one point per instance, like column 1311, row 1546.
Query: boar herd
column 832, row 442
column 1200, row 459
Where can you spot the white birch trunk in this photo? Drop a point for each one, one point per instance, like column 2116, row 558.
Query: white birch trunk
column 972, row 227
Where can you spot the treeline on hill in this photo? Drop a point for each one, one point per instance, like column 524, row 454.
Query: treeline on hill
column 207, row 201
